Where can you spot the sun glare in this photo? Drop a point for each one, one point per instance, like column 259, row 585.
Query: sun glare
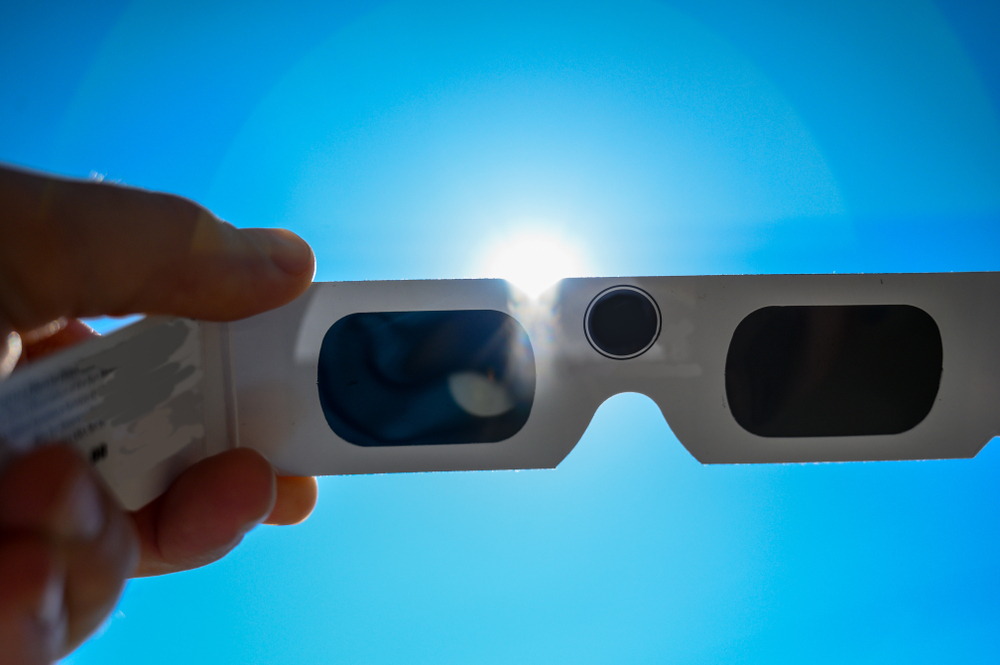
column 533, row 262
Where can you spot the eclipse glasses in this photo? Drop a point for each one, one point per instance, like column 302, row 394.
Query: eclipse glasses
column 381, row 377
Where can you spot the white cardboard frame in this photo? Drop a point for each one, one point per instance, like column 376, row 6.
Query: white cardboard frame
column 275, row 360
column 255, row 380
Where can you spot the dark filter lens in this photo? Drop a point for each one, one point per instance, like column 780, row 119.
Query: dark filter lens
column 622, row 322
column 833, row 370
column 423, row 378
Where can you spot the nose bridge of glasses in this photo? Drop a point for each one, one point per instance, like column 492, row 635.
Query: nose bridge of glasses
column 666, row 364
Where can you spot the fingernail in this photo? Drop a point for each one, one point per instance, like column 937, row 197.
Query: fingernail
column 49, row 624
column 287, row 251
column 80, row 514
column 50, row 607
column 10, row 353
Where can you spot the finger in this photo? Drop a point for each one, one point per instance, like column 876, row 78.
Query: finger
column 51, row 491
column 32, row 619
column 206, row 512
column 79, row 248
column 295, row 501
column 53, row 337
column 96, row 572
column 43, row 332
column 14, row 354
column 10, row 350
column 53, row 494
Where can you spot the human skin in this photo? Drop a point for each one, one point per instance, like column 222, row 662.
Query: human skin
column 72, row 249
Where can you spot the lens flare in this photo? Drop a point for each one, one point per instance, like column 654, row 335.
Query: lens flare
column 533, row 262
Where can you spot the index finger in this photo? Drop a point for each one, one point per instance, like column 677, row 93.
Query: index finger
column 79, row 248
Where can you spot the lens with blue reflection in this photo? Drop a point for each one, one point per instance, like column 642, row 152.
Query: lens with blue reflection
column 425, row 378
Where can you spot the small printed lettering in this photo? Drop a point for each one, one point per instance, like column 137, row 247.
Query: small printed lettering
column 98, row 452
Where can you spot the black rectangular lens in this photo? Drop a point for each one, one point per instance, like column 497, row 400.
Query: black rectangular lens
column 422, row 378
column 833, row 370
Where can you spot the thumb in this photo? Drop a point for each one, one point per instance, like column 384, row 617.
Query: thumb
column 78, row 248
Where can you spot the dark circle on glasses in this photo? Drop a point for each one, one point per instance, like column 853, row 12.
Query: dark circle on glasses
column 622, row 322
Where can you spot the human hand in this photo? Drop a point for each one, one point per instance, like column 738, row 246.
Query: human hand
column 72, row 249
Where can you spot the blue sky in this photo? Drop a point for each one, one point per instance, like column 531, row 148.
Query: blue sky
column 404, row 140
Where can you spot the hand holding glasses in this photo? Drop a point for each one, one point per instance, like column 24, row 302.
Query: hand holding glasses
column 377, row 377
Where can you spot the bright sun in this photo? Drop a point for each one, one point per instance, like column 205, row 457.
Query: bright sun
column 534, row 261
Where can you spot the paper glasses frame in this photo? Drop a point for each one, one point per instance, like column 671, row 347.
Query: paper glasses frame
column 683, row 372
column 254, row 382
